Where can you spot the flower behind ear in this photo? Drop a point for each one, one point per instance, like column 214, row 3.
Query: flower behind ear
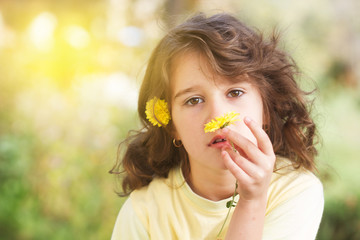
column 157, row 112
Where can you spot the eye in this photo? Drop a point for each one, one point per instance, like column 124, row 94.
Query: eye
column 194, row 101
column 235, row 93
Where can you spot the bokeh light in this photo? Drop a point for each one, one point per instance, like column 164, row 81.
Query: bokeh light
column 41, row 31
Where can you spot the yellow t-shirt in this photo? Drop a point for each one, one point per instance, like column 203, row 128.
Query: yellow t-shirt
column 169, row 209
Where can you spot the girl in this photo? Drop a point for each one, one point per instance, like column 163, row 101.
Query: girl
column 181, row 179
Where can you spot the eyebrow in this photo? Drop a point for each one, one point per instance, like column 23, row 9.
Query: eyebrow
column 186, row 90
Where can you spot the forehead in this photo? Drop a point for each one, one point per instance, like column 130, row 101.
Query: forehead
column 191, row 67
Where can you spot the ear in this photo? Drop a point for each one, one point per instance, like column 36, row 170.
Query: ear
column 176, row 136
column 173, row 132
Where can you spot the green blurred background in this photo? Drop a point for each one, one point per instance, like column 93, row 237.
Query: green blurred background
column 69, row 75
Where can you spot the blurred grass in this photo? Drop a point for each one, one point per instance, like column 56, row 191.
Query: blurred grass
column 68, row 90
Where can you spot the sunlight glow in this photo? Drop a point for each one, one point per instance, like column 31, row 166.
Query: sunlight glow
column 131, row 36
column 77, row 36
column 41, row 31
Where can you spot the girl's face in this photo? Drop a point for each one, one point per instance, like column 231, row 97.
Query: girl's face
column 199, row 96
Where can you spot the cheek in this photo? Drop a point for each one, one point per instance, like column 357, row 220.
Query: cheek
column 176, row 126
column 176, row 116
column 180, row 122
column 187, row 128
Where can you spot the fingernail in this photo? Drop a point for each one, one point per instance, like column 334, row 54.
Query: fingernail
column 247, row 120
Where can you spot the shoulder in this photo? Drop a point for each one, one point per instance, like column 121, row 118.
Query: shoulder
column 286, row 175
column 157, row 195
column 157, row 188
column 133, row 221
column 288, row 182
column 128, row 225
column 295, row 203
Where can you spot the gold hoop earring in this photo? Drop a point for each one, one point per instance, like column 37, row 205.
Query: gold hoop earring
column 177, row 144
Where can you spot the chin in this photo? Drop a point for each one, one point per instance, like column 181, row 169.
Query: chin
column 220, row 165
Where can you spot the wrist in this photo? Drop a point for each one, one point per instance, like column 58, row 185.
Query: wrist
column 248, row 219
column 257, row 202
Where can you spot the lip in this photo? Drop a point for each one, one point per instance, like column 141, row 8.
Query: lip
column 220, row 144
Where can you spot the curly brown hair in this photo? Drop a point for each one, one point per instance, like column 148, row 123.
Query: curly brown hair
column 231, row 49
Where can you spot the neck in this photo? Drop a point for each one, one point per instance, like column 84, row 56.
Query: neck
column 212, row 184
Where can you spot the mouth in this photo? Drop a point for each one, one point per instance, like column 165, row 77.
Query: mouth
column 217, row 140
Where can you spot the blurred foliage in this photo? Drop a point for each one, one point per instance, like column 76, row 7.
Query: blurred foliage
column 70, row 72
column 341, row 219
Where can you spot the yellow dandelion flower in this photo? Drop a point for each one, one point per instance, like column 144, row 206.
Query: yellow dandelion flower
column 221, row 122
column 157, row 112
column 211, row 126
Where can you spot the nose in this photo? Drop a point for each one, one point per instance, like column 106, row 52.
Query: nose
column 216, row 107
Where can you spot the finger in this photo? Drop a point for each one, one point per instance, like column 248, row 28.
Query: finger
column 247, row 166
column 237, row 149
column 235, row 170
column 263, row 140
column 243, row 145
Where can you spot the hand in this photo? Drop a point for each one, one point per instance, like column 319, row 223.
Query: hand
column 251, row 165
